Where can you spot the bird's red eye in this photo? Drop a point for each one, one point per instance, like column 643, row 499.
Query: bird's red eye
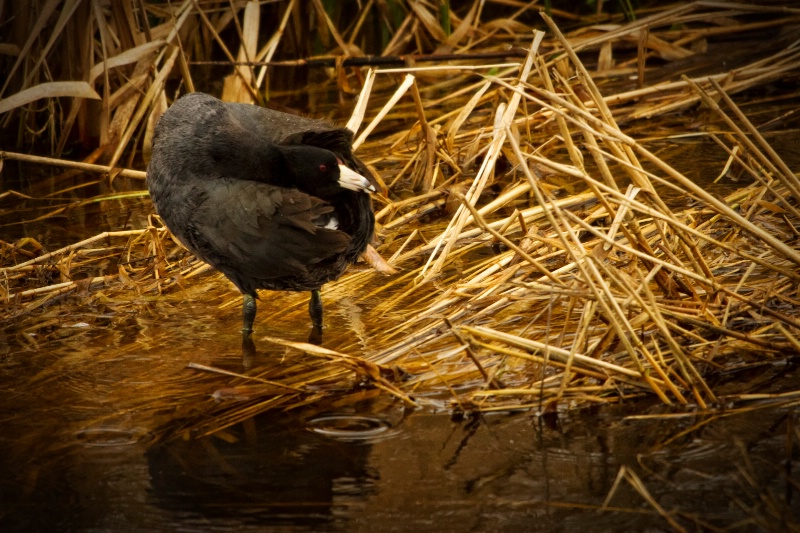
column 323, row 168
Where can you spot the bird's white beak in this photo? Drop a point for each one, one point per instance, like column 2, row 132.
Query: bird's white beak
column 354, row 181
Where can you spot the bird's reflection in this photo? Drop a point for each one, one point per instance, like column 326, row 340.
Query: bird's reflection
column 315, row 336
column 276, row 474
column 249, row 351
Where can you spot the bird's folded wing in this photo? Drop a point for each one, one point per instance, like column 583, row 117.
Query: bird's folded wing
column 264, row 229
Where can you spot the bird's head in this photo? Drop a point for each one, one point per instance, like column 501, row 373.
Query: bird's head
column 320, row 173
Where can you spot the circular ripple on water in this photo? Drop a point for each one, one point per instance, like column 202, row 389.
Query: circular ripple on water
column 106, row 436
column 352, row 427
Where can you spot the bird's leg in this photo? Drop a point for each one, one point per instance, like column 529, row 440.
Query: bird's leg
column 315, row 309
column 248, row 314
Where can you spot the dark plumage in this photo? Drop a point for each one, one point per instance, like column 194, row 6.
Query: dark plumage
column 272, row 200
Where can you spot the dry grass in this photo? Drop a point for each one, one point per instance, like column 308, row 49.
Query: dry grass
column 599, row 295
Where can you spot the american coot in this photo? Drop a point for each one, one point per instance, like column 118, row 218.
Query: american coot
column 272, row 200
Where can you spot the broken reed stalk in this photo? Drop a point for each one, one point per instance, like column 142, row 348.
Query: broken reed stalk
column 446, row 241
column 401, row 90
column 86, row 167
column 61, row 251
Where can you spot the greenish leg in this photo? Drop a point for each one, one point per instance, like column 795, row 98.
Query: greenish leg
column 248, row 314
column 315, row 309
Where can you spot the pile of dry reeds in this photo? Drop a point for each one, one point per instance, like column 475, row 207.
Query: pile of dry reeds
column 510, row 292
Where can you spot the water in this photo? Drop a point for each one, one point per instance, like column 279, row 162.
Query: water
column 500, row 472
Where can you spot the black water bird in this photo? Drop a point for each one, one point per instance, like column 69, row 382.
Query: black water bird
column 272, row 200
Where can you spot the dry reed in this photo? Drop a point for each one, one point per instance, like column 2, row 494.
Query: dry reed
column 593, row 296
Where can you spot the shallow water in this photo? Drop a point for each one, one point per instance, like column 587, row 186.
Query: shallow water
column 423, row 471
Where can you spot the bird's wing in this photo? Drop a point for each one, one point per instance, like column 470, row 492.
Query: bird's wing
column 265, row 232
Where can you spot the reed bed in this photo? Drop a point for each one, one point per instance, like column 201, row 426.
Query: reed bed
column 526, row 257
